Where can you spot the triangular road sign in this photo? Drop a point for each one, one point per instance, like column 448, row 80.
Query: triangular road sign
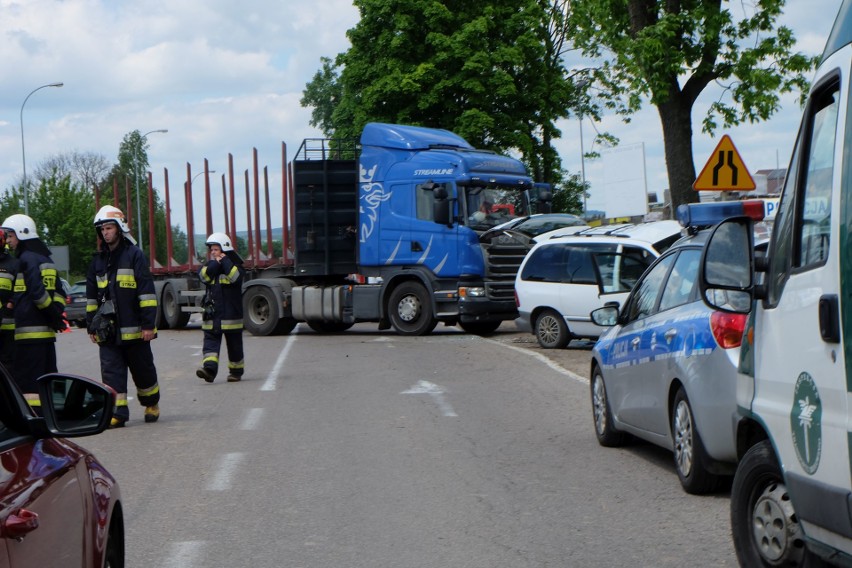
column 725, row 170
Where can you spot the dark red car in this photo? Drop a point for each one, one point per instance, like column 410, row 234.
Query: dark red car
column 59, row 507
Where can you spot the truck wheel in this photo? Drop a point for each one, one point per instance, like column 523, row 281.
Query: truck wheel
column 689, row 453
column 172, row 317
column 260, row 312
column 481, row 327
column 329, row 326
column 764, row 524
column 410, row 310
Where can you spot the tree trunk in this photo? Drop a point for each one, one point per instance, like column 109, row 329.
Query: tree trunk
column 676, row 119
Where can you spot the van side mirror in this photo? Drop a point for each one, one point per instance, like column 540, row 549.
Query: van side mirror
column 726, row 279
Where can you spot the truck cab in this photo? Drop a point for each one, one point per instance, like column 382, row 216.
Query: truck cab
column 791, row 500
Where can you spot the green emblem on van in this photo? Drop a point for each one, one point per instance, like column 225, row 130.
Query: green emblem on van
column 806, row 423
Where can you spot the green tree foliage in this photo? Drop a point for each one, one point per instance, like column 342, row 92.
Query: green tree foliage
column 568, row 195
column 670, row 52
column 62, row 212
column 489, row 71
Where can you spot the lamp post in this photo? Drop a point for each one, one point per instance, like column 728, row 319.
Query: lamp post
column 142, row 140
column 582, row 84
column 23, row 151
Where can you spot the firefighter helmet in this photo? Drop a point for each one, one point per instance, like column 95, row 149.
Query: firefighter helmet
column 112, row 214
column 221, row 239
column 23, row 226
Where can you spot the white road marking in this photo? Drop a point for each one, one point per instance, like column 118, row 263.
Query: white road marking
column 437, row 393
column 555, row 366
column 252, row 419
column 225, row 471
column 184, row 554
column 272, row 379
column 199, row 349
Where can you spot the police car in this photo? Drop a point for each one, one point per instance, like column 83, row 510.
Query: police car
column 666, row 370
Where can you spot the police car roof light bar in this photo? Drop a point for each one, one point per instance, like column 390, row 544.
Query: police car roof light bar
column 707, row 214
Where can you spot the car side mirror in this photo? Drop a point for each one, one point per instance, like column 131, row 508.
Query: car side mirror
column 726, row 279
column 74, row 406
column 606, row 316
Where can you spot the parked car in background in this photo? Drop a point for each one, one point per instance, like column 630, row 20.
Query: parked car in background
column 535, row 225
column 665, row 369
column 59, row 506
column 562, row 279
column 75, row 307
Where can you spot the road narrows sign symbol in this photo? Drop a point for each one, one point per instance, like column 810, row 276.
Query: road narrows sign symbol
column 725, row 170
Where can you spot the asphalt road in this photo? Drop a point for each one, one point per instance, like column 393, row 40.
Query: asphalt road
column 367, row 449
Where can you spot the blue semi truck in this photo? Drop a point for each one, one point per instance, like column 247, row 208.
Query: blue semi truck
column 394, row 229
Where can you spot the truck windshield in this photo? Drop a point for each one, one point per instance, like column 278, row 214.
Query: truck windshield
column 487, row 207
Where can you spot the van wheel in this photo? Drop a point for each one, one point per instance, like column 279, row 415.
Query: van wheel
column 764, row 524
column 410, row 310
column 551, row 331
column 604, row 428
column 689, row 453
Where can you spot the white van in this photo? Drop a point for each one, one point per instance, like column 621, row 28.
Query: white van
column 562, row 279
column 791, row 500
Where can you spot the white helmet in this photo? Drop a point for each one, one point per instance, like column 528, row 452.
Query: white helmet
column 112, row 214
column 23, row 226
column 221, row 239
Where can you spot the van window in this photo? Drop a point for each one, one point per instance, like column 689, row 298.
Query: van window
column 802, row 225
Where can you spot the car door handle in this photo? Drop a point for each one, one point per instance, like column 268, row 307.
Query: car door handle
column 20, row 523
column 416, row 247
column 670, row 334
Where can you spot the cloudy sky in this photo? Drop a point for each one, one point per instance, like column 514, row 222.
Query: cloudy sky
column 225, row 77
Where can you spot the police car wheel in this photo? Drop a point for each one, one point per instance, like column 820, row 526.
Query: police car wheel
column 764, row 524
column 605, row 430
column 551, row 331
column 689, row 453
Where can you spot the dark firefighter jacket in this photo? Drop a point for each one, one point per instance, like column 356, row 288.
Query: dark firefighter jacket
column 8, row 272
column 123, row 276
column 38, row 305
column 224, row 281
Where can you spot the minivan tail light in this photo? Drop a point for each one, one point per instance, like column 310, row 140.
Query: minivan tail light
column 728, row 329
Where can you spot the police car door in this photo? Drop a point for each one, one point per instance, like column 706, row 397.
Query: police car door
column 801, row 349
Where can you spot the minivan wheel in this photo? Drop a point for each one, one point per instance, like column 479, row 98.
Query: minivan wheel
column 551, row 331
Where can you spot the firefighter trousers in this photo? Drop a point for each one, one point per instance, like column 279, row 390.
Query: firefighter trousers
column 138, row 358
column 212, row 347
column 31, row 361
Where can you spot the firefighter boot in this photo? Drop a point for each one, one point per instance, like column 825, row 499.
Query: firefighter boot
column 204, row 373
column 152, row 413
column 116, row 423
column 233, row 378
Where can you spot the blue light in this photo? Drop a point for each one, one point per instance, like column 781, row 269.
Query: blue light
column 707, row 214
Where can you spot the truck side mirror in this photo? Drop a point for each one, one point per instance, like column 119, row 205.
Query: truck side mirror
column 726, row 279
column 441, row 207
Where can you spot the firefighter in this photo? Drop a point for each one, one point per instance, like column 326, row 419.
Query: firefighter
column 223, row 276
column 121, row 312
column 8, row 272
column 38, row 306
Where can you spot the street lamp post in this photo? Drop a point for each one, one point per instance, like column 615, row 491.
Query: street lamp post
column 23, row 151
column 142, row 140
